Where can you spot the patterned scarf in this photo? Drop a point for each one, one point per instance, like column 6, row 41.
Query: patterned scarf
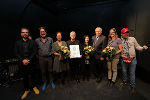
column 126, row 46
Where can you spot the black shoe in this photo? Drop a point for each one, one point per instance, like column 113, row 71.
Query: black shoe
column 109, row 82
column 113, row 84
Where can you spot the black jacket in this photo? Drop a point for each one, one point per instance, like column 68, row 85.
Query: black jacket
column 31, row 50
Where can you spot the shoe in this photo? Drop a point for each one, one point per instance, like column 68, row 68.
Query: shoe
column 25, row 95
column 53, row 85
column 113, row 84
column 133, row 91
column 36, row 91
column 109, row 82
column 44, row 87
column 122, row 83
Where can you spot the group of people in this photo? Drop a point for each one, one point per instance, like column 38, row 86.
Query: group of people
column 47, row 52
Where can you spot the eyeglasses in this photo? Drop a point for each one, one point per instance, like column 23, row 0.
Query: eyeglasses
column 24, row 32
column 42, row 31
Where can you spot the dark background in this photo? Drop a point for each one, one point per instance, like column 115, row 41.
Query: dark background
column 82, row 16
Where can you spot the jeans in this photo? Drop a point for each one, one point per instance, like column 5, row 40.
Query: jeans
column 132, row 68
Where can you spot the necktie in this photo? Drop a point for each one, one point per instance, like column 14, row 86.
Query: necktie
column 96, row 39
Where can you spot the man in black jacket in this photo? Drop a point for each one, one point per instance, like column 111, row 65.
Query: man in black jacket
column 99, row 43
column 25, row 50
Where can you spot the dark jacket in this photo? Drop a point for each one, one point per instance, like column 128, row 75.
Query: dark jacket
column 31, row 50
column 99, row 46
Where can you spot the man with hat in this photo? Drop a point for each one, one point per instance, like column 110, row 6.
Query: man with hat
column 129, row 58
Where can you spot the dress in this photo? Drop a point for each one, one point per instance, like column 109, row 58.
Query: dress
column 59, row 65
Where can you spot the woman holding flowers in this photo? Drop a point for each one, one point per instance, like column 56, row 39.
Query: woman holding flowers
column 61, row 52
column 87, row 50
column 114, row 48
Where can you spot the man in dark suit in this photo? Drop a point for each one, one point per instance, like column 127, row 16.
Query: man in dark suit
column 25, row 50
column 99, row 43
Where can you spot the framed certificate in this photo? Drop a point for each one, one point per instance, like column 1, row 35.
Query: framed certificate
column 74, row 51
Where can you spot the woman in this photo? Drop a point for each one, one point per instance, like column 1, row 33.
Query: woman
column 59, row 65
column 74, row 63
column 86, row 59
column 115, row 42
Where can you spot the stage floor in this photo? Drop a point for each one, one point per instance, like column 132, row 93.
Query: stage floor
column 83, row 91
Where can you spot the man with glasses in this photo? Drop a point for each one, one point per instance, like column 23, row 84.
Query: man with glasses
column 44, row 44
column 129, row 58
column 25, row 50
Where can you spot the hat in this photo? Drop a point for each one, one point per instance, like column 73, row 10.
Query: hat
column 124, row 30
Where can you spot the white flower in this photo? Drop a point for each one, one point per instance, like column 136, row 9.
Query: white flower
column 104, row 50
column 107, row 47
column 65, row 51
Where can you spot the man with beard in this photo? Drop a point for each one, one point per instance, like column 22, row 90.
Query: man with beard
column 129, row 58
column 44, row 44
column 25, row 50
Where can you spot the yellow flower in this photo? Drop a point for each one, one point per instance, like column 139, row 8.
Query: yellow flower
column 62, row 47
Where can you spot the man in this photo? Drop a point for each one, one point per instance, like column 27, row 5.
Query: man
column 44, row 44
column 25, row 50
column 129, row 58
column 74, row 62
column 99, row 43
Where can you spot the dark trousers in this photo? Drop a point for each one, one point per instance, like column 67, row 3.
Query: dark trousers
column 28, row 74
column 46, row 66
column 74, row 69
column 98, row 69
column 86, row 71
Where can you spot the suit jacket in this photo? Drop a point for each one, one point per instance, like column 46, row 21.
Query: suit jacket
column 99, row 46
column 19, row 50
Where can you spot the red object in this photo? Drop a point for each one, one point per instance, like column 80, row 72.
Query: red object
column 125, row 33
column 127, row 60
column 124, row 30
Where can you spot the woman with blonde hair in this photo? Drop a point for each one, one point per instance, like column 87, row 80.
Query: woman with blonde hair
column 115, row 42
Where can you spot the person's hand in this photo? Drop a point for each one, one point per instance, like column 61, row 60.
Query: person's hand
column 80, row 56
column 59, row 55
column 101, row 58
column 145, row 47
column 86, row 53
column 107, row 58
column 26, row 62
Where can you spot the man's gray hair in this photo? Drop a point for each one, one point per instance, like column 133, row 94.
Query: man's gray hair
column 98, row 28
column 72, row 32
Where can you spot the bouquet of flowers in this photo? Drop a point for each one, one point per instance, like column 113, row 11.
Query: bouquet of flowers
column 109, row 52
column 63, row 50
column 89, row 50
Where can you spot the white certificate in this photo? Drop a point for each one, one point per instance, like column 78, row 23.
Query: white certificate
column 74, row 51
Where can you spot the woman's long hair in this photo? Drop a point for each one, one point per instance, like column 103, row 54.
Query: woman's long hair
column 116, row 35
